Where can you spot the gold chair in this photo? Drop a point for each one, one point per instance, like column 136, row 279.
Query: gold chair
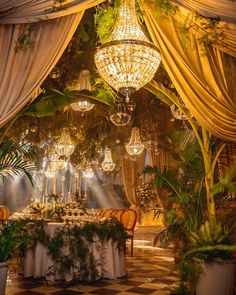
column 4, row 213
column 107, row 213
column 128, row 218
column 117, row 214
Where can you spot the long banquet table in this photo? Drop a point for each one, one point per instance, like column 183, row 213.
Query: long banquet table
column 111, row 260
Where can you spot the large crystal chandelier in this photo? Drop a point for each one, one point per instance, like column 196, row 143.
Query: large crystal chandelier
column 128, row 60
column 64, row 146
column 135, row 146
column 108, row 164
column 82, row 83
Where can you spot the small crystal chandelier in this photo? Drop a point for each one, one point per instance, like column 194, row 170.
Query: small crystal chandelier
column 128, row 60
column 64, row 146
column 134, row 147
column 82, row 106
column 82, row 83
column 50, row 172
column 120, row 117
column 108, row 164
column 88, row 173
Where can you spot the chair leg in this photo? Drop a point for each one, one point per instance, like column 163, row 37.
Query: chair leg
column 132, row 246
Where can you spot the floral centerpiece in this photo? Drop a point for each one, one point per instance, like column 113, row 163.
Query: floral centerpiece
column 145, row 196
column 54, row 210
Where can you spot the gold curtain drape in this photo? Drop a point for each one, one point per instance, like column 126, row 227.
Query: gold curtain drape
column 225, row 10
column 130, row 175
column 163, row 158
column 202, row 76
column 23, row 71
column 28, row 11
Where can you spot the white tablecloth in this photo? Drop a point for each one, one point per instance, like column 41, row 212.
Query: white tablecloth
column 111, row 260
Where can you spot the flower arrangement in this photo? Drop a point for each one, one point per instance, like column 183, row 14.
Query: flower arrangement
column 145, row 196
column 36, row 208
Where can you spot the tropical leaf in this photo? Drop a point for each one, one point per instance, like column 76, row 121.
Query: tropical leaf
column 16, row 160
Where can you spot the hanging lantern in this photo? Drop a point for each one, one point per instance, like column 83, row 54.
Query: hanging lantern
column 135, row 146
column 120, row 117
column 128, row 60
column 65, row 147
column 82, row 83
column 88, row 173
column 108, row 164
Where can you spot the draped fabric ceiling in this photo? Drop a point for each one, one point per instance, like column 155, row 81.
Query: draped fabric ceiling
column 203, row 75
column 23, row 71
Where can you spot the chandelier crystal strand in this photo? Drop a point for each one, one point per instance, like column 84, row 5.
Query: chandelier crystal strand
column 108, row 164
column 128, row 60
column 65, row 147
column 135, row 146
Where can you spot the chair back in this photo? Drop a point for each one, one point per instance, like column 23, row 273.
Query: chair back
column 117, row 214
column 128, row 218
column 4, row 213
column 107, row 213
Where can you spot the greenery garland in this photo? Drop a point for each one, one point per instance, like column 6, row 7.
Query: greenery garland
column 77, row 239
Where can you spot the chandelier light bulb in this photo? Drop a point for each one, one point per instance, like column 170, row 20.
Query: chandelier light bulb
column 135, row 146
column 65, row 147
column 128, row 60
column 108, row 164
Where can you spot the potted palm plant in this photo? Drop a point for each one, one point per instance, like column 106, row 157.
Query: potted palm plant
column 9, row 244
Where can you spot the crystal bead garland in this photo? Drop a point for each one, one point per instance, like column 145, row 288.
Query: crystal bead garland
column 108, row 164
column 134, row 147
column 82, row 83
column 128, row 60
column 65, row 147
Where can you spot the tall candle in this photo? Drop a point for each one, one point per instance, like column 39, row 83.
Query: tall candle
column 46, row 191
column 79, row 184
column 62, row 186
column 55, row 185
column 76, row 182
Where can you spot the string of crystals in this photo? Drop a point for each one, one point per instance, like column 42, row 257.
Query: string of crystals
column 128, row 60
column 82, row 83
column 135, row 146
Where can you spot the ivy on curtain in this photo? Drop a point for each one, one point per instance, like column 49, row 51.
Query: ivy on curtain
column 23, row 71
column 203, row 75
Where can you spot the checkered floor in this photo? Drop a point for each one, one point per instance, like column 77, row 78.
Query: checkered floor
column 150, row 271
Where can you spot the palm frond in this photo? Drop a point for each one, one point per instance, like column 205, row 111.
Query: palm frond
column 16, row 159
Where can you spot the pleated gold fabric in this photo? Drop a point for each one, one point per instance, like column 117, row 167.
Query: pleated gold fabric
column 28, row 11
column 203, row 76
column 23, row 71
column 130, row 175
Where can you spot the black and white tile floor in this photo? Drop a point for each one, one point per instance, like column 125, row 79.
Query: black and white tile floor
column 149, row 271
